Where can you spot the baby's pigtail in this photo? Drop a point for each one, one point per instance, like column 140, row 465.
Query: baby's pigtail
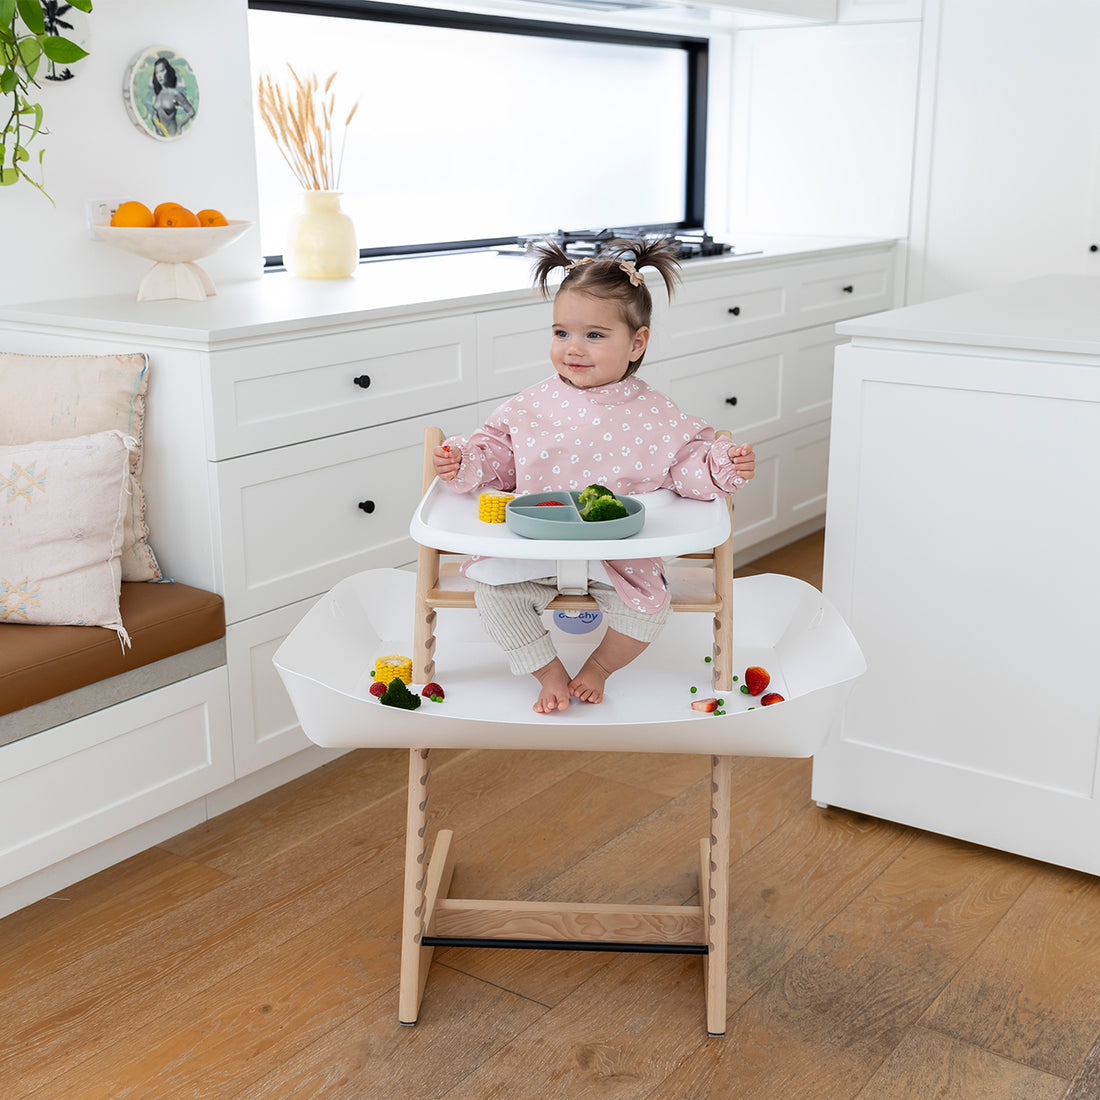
column 660, row 253
column 549, row 257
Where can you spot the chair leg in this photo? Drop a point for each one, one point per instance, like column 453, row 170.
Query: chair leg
column 723, row 621
column 424, row 615
column 416, row 874
column 716, row 901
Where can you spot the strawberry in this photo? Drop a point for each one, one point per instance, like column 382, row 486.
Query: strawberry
column 771, row 697
column 378, row 688
column 756, row 679
column 550, row 503
column 705, row 705
column 432, row 691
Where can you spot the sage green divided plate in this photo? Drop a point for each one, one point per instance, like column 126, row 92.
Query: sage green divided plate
column 524, row 516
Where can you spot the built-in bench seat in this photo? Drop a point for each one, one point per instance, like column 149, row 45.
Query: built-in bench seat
column 104, row 751
column 53, row 674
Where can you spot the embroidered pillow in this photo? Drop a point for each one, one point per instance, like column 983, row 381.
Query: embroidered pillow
column 62, row 511
column 63, row 396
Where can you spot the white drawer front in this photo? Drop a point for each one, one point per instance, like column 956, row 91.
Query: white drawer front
column 265, row 727
column 807, row 386
column 735, row 387
column 287, row 392
column 714, row 312
column 291, row 521
column 513, row 350
column 67, row 789
column 850, row 286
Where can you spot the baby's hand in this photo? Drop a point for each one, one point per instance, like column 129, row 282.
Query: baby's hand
column 446, row 459
column 744, row 462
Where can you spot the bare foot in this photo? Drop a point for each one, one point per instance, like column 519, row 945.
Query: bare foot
column 555, row 688
column 588, row 684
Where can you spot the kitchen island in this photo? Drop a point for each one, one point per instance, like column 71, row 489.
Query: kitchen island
column 963, row 549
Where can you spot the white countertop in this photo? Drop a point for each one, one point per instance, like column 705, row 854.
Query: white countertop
column 380, row 289
column 1052, row 313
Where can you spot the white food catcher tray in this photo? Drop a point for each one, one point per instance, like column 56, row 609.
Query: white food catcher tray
column 781, row 623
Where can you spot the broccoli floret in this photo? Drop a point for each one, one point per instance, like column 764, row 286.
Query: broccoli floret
column 608, row 507
column 591, row 493
column 398, row 695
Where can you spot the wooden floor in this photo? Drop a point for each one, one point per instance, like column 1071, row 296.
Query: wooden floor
column 257, row 956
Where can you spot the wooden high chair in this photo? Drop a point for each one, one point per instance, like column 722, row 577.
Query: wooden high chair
column 433, row 919
column 441, row 585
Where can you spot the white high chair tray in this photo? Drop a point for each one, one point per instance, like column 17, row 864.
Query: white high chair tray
column 673, row 525
column 781, row 623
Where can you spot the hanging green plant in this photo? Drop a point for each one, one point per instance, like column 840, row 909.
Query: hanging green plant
column 27, row 35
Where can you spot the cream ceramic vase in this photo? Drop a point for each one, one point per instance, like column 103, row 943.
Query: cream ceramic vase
column 320, row 242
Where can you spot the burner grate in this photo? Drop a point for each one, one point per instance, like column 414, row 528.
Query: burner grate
column 689, row 244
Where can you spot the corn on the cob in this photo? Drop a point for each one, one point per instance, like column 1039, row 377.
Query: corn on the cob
column 393, row 667
column 491, row 506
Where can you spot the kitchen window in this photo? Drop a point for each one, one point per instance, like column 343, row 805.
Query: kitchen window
column 473, row 129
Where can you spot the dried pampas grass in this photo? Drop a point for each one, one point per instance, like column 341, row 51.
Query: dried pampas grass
column 299, row 118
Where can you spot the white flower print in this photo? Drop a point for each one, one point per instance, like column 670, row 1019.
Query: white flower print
column 607, row 436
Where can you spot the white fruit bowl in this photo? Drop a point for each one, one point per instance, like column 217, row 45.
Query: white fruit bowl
column 174, row 252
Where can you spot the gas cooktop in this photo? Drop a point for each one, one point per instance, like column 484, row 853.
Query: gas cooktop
column 690, row 244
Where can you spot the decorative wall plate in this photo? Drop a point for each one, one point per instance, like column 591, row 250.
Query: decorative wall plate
column 161, row 93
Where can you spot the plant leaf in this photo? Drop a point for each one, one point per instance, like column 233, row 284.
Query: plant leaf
column 8, row 176
column 83, row 5
column 62, row 50
column 31, row 13
column 7, row 12
column 8, row 81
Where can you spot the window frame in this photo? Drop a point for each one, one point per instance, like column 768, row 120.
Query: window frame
column 695, row 47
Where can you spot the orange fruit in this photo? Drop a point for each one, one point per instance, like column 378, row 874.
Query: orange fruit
column 171, row 215
column 211, row 217
column 133, row 214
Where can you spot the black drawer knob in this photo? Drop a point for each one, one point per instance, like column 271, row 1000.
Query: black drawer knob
column 367, row 506
column 735, row 310
column 363, row 380
column 1094, row 247
column 731, row 400
column 849, row 289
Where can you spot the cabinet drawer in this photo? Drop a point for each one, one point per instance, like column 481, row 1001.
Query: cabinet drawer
column 736, row 387
column 758, row 389
column 807, row 383
column 513, row 350
column 265, row 726
column 296, row 520
column 850, row 286
column 788, row 489
column 273, row 394
column 714, row 312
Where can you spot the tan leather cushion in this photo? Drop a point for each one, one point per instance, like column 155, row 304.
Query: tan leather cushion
column 39, row 662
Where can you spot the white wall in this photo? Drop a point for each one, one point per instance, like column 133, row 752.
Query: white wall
column 93, row 151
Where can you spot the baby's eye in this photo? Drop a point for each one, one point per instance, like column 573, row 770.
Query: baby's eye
column 595, row 336
column 560, row 334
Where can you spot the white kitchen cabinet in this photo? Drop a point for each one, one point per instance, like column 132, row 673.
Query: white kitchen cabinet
column 1006, row 183
column 283, row 438
column 962, row 543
